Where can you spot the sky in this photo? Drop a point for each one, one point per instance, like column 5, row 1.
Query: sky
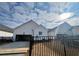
column 13, row 14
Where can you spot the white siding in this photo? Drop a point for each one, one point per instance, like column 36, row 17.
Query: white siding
column 63, row 29
column 75, row 31
column 27, row 29
column 52, row 32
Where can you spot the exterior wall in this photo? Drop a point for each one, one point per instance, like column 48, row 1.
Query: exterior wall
column 64, row 29
column 29, row 28
column 75, row 31
column 61, row 29
column 52, row 32
column 36, row 31
column 72, row 31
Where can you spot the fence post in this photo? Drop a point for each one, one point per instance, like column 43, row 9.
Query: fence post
column 64, row 47
column 31, row 44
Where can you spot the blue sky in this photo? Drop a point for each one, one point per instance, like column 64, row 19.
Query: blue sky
column 12, row 14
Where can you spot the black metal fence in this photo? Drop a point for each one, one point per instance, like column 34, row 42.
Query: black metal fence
column 53, row 46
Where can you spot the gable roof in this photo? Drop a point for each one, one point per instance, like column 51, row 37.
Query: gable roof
column 64, row 23
column 29, row 22
column 51, row 29
column 43, row 26
column 5, row 28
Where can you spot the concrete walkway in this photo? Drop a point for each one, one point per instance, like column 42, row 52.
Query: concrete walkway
column 14, row 47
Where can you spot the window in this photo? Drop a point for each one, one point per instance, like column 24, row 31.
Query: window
column 40, row 33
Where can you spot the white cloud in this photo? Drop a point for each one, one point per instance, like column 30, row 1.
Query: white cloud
column 5, row 6
column 19, row 9
column 25, row 12
column 64, row 16
column 30, row 5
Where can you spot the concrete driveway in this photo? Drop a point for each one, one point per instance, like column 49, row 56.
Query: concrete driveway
column 14, row 47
